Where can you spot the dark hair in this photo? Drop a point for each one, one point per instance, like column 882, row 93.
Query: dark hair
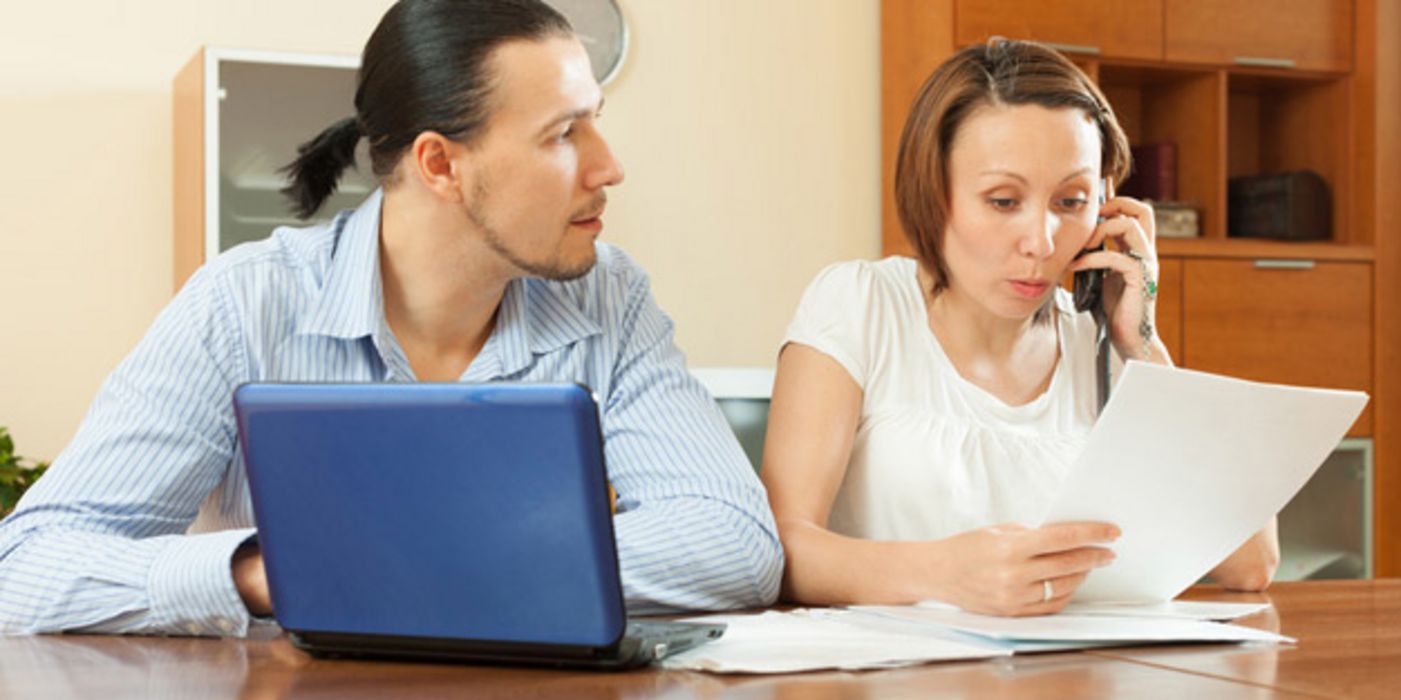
column 1000, row 72
column 423, row 69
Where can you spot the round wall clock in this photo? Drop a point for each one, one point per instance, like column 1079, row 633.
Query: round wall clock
column 600, row 26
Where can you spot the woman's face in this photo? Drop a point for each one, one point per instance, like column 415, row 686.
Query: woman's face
column 1023, row 196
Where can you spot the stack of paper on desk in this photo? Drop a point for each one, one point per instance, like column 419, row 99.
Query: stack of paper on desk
column 1180, row 609
column 1071, row 631
column 810, row 640
column 866, row 637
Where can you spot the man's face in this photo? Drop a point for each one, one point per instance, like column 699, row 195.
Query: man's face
column 540, row 166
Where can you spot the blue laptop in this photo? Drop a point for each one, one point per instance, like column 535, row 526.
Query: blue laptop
column 462, row 522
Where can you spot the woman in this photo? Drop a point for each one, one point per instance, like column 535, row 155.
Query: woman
column 922, row 407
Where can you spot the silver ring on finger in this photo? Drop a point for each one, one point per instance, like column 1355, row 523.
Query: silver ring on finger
column 1047, row 591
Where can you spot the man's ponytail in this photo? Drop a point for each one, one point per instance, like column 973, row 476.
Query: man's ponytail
column 320, row 162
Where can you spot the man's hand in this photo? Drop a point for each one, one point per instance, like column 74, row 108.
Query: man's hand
column 251, row 580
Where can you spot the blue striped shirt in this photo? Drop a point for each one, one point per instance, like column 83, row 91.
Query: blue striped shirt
column 133, row 527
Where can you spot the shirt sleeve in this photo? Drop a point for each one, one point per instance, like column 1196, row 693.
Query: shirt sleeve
column 830, row 315
column 694, row 528
column 99, row 544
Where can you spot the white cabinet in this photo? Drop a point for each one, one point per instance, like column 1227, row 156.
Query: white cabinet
column 238, row 118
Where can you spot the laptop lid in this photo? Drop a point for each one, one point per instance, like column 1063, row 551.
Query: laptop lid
column 451, row 511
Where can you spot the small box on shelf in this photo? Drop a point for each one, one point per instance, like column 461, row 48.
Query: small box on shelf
column 1287, row 206
column 1176, row 220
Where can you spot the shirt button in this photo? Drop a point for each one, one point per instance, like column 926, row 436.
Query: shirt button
column 225, row 624
column 191, row 628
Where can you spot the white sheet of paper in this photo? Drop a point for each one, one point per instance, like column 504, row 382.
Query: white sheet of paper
column 1177, row 609
column 810, row 640
column 1096, row 629
column 1189, row 465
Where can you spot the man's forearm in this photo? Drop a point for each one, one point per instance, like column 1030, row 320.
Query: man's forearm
column 54, row 580
column 696, row 554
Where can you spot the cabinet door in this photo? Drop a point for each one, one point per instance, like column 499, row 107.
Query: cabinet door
column 1291, row 322
column 1128, row 29
column 1312, row 34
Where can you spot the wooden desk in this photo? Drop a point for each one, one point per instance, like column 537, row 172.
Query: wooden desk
column 1349, row 646
column 1349, row 636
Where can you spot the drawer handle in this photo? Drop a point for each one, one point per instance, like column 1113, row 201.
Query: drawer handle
column 1263, row 62
column 1074, row 48
column 1271, row 264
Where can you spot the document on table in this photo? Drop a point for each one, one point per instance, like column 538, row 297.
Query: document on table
column 889, row 636
column 1189, row 465
column 1071, row 630
column 815, row 639
column 1176, row 609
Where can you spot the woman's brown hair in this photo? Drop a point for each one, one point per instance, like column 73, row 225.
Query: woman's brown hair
column 1000, row 72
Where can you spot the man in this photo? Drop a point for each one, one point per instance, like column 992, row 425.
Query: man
column 476, row 261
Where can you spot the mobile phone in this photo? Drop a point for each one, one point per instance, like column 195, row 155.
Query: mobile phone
column 1088, row 288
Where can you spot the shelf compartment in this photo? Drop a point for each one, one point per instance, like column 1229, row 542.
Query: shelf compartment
column 1279, row 124
column 1185, row 107
column 1325, row 531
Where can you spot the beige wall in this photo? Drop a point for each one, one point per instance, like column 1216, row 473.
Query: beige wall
column 748, row 128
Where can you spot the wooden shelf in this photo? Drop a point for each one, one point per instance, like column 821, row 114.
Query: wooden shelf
column 1283, row 124
column 1251, row 248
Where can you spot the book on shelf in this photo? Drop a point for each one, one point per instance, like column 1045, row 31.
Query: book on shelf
column 1154, row 174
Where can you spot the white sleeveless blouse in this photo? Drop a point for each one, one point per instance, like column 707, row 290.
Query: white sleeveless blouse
column 935, row 455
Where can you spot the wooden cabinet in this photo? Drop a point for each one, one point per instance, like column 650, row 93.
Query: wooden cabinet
column 1304, row 34
column 915, row 36
column 1125, row 29
column 1286, row 321
column 1224, row 118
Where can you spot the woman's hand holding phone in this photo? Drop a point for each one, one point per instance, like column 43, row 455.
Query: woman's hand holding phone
column 1130, row 286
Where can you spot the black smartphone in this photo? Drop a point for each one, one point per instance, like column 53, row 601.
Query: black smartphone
column 1088, row 287
column 1088, row 290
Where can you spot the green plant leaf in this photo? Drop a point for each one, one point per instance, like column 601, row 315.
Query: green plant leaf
column 9, row 496
column 17, row 474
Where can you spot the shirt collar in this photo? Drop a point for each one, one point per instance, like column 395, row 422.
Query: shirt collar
column 537, row 317
column 351, row 303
